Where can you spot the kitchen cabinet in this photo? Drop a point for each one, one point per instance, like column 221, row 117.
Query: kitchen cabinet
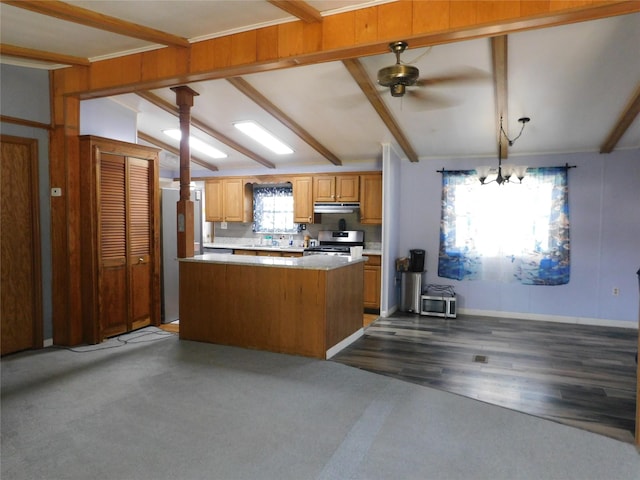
column 213, row 201
column 120, row 227
column 303, row 200
column 371, row 293
column 371, row 199
column 228, row 200
column 336, row 188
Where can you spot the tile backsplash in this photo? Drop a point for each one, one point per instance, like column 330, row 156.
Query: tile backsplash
column 214, row 233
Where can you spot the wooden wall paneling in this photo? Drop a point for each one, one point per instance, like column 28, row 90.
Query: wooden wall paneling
column 491, row 11
column 534, row 7
column 339, row 31
column 395, row 21
column 116, row 71
column 201, row 58
column 164, row 62
column 312, row 37
column 291, row 39
column 463, row 13
column 366, row 21
column 59, row 266
column 221, row 53
column 430, row 16
column 244, row 48
column 267, row 43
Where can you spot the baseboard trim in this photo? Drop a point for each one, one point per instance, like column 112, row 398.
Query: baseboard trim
column 344, row 343
column 600, row 322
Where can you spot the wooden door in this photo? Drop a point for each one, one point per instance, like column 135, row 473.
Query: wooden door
column 140, row 242
column 21, row 278
column 112, row 277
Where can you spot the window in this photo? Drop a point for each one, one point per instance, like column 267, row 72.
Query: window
column 509, row 232
column 273, row 209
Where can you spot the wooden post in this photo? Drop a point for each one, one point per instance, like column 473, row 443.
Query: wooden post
column 185, row 234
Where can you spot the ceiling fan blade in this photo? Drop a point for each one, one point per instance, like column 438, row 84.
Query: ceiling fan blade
column 466, row 75
column 424, row 100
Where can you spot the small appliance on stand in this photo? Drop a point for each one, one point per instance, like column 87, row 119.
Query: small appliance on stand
column 412, row 281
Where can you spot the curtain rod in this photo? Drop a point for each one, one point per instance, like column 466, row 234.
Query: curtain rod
column 566, row 165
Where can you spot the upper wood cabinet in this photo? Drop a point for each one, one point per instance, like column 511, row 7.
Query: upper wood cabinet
column 213, row 200
column 371, row 199
column 303, row 199
column 228, row 200
column 336, row 188
column 120, row 237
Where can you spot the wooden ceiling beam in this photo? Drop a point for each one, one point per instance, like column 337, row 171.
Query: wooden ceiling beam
column 361, row 77
column 40, row 55
column 165, row 146
column 262, row 101
column 172, row 109
column 89, row 18
column 629, row 114
column 500, row 72
column 300, row 9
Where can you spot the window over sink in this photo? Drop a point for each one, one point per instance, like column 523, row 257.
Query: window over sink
column 273, row 209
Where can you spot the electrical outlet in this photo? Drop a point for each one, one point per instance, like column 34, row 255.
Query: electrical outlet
column 616, row 291
column 223, row 225
column 56, row 192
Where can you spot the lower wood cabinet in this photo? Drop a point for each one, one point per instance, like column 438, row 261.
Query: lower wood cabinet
column 372, row 283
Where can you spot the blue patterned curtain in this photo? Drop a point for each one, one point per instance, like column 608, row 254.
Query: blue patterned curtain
column 273, row 209
column 509, row 233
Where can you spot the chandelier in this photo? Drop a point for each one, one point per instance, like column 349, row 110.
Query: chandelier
column 507, row 172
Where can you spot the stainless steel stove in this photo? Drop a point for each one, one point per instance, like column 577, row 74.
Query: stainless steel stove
column 336, row 242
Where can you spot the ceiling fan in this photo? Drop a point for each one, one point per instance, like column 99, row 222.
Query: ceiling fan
column 400, row 76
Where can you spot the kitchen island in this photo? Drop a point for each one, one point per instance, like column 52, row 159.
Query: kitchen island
column 309, row 306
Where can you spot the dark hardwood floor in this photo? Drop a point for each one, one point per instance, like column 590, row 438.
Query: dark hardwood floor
column 584, row 376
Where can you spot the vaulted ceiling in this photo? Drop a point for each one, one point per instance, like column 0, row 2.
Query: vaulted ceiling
column 579, row 84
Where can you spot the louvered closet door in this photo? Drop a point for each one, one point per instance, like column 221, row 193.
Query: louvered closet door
column 112, row 296
column 140, row 241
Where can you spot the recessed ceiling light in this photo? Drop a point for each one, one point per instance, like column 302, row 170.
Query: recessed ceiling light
column 263, row 137
column 197, row 144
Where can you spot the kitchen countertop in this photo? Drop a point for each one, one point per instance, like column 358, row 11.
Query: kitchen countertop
column 310, row 262
column 273, row 248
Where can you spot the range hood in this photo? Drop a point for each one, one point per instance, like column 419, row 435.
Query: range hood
column 333, row 207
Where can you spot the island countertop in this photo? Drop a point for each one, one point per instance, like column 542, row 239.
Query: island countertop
column 309, row 262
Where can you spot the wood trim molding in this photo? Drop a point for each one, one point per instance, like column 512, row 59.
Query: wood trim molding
column 40, row 55
column 167, row 107
column 298, row 8
column 262, row 101
column 361, row 77
column 25, row 123
column 89, row 18
column 165, row 146
column 625, row 120
column 499, row 49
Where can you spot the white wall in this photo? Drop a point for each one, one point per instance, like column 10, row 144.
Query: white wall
column 604, row 203
column 391, row 199
column 105, row 118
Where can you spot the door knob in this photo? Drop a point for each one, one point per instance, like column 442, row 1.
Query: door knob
column 140, row 260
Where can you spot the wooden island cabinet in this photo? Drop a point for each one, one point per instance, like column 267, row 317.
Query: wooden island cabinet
column 309, row 306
